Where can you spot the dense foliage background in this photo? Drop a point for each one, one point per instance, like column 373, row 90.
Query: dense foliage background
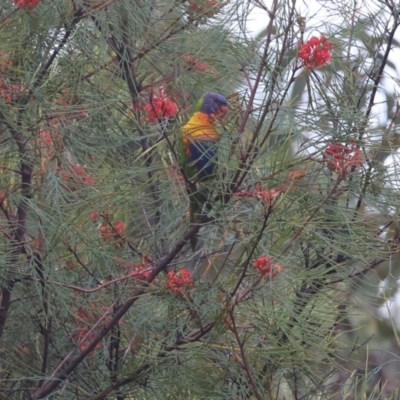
column 297, row 251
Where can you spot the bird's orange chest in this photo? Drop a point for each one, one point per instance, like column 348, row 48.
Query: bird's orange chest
column 199, row 127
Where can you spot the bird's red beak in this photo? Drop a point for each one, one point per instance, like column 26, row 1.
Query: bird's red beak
column 221, row 113
column 222, row 110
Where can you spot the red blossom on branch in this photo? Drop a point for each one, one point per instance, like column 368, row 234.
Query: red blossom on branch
column 26, row 3
column 78, row 174
column 87, row 317
column 195, row 63
column 107, row 232
column 160, row 106
column 315, row 52
column 94, row 216
column 266, row 266
column 342, row 158
column 119, row 226
column 203, row 9
column 45, row 147
column 267, row 196
column 71, row 104
column 202, row 6
column 9, row 92
column 83, row 337
column 141, row 272
column 296, row 175
column 46, row 139
column 179, row 281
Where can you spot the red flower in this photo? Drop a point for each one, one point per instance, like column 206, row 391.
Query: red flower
column 177, row 282
column 296, row 175
column 119, row 226
column 265, row 266
column 197, row 7
column 342, row 158
column 26, row 3
column 263, row 263
column 107, row 232
column 195, row 63
column 78, row 174
column 160, row 106
column 87, row 317
column 141, row 272
column 45, row 138
column 94, row 216
column 204, row 7
column 83, row 337
column 267, row 196
column 68, row 99
column 9, row 92
column 315, row 52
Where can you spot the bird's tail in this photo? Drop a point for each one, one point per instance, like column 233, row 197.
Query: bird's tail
column 196, row 203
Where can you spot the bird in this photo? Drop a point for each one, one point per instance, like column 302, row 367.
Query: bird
column 199, row 147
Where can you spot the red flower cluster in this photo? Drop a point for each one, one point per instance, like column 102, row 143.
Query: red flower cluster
column 199, row 8
column 71, row 105
column 267, row 196
column 83, row 337
column 315, row 52
column 342, row 158
column 26, row 3
column 88, row 317
column 78, row 175
column 8, row 92
column 107, row 232
column 119, row 226
column 177, row 282
column 296, row 175
column 266, row 266
column 141, row 272
column 203, row 6
column 160, row 106
column 137, row 271
column 46, row 139
column 195, row 63
column 94, row 216
column 203, row 9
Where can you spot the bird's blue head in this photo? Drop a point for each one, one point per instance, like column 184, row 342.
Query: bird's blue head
column 212, row 104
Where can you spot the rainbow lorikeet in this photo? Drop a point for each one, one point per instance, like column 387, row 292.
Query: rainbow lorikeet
column 199, row 147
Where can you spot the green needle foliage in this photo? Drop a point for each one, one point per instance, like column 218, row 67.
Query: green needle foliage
column 287, row 295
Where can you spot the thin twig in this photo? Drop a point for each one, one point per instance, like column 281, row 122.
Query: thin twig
column 244, row 361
